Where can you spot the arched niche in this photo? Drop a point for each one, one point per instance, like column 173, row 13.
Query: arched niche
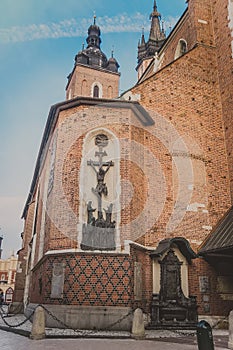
column 99, row 192
column 181, row 48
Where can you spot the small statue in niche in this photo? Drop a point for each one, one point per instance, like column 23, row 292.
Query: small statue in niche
column 90, row 211
column 108, row 213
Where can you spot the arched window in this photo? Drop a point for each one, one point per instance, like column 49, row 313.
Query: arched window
column 181, row 49
column 9, row 295
column 96, row 91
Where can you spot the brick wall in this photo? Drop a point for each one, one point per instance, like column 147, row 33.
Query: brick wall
column 190, row 101
column 186, row 94
column 192, row 109
column 223, row 39
column 142, row 256
column 90, row 280
column 209, row 301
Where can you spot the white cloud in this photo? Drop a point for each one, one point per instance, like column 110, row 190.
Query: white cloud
column 76, row 28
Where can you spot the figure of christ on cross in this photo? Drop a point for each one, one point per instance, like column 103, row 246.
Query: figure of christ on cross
column 101, row 187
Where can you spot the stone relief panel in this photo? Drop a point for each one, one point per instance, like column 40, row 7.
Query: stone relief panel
column 57, row 285
column 99, row 192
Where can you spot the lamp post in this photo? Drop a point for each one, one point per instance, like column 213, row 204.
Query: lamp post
column 1, row 238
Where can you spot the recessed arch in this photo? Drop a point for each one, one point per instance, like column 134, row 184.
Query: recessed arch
column 181, row 48
column 84, row 88
column 110, row 92
column 96, row 90
column 112, row 179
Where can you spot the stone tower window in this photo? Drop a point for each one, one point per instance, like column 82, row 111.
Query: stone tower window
column 181, row 49
column 96, row 91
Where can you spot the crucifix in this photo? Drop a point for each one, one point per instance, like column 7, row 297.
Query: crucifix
column 100, row 168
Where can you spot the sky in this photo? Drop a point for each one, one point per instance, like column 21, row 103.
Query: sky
column 38, row 43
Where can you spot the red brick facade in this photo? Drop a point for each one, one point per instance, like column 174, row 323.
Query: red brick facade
column 224, row 39
column 174, row 173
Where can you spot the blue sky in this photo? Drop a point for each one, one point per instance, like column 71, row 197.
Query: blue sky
column 38, row 43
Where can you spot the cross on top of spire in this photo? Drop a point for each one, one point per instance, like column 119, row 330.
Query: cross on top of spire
column 155, row 12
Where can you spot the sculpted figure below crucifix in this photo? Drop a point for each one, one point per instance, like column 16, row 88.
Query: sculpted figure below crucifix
column 90, row 211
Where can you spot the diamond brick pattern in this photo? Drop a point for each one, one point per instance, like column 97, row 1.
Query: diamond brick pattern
column 97, row 280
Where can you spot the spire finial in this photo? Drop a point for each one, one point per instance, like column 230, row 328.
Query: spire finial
column 143, row 37
column 163, row 27
column 94, row 18
column 112, row 51
column 155, row 12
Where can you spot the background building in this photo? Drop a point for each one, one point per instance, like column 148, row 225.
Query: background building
column 8, row 269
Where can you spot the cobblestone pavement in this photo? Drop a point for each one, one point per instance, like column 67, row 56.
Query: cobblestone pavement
column 9, row 341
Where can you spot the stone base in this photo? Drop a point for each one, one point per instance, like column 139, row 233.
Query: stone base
column 173, row 314
column 98, row 238
column 37, row 337
column 16, row 308
column 86, row 317
column 230, row 343
column 173, row 325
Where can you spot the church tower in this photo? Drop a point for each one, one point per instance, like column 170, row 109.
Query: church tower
column 147, row 50
column 93, row 74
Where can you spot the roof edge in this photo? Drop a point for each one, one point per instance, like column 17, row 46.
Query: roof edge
column 182, row 244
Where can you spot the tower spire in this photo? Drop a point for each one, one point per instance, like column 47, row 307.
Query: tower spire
column 93, row 39
column 112, row 52
column 147, row 50
column 155, row 32
column 143, row 42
